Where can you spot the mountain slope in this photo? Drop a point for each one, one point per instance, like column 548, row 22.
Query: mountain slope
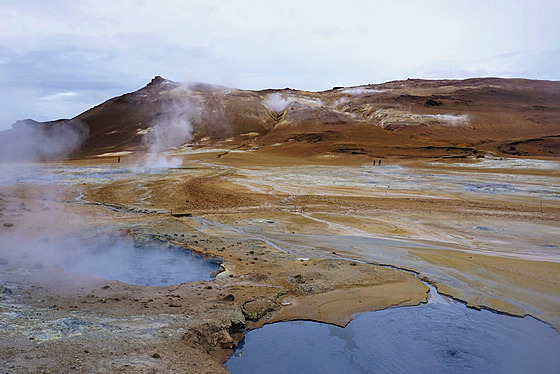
column 402, row 118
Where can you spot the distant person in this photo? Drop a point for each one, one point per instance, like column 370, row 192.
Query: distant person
column 379, row 162
column 119, row 160
column 373, row 162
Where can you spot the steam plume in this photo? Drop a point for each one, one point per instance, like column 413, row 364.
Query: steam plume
column 172, row 129
column 29, row 140
column 276, row 102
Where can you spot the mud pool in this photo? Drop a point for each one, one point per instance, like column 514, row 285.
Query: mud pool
column 438, row 337
column 144, row 266
column 103, row 256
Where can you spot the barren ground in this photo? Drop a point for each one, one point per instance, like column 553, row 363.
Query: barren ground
column 298, row 239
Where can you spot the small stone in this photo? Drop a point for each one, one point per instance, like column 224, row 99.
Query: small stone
column 229, row 297
column 156, row 355
column 5, row 290
column 8, row 224
column 105, row 287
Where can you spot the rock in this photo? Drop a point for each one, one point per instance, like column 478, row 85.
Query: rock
column 237, row 325
column 298, row 278
column 256, row 309
column 8, row 225
column 432, row 102
column 229, row 297
column 70, row 325
column 181, row 214
column 5, row 290
column 156, row 355
column 223, row 340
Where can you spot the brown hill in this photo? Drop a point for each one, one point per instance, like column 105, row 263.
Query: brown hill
column 415, row 117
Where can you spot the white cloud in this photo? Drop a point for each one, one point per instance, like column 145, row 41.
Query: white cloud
column 59, row 96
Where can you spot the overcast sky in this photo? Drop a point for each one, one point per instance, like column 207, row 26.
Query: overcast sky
column 61, row 57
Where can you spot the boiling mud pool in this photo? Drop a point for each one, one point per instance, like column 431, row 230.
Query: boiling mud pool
column 145, row 266
column 430, row 338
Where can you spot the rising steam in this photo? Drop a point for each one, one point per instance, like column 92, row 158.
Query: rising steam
column 29, row 140
column 276, row 102
column 172, row 129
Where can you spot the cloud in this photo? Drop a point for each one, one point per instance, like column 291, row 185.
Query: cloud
column 59, row 96
column 527, row 64
column 99, row 49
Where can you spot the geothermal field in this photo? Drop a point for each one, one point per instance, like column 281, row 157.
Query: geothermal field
column 411, row 226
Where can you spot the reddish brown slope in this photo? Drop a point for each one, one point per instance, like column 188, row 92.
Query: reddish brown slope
column 402, row 118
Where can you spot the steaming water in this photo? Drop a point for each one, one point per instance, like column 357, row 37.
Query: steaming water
column 145, row 266
column 430, row 338
column 50, row 174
